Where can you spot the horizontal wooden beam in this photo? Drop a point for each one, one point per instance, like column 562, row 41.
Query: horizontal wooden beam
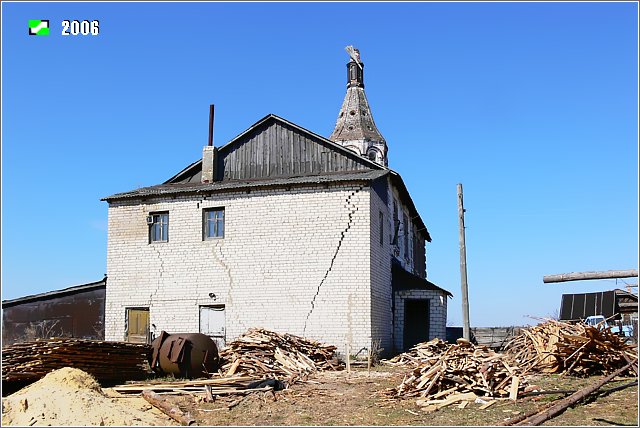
column 579, row 276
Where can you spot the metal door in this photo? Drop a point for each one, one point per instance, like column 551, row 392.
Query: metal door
column 138, row 325
column 212, row 323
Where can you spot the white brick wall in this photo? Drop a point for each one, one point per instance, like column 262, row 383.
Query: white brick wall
column 437, row 313
column 279, row 255
column 381, row 311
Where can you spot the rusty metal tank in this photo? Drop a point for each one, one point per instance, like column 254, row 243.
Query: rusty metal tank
column 187, row 355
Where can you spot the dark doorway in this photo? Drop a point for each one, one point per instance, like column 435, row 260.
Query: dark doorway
column 416, row 322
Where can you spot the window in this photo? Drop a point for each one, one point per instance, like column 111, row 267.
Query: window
column 396, row 223
column 159, row 227
column 405, row 220
column 381, row 216
column 214, row 223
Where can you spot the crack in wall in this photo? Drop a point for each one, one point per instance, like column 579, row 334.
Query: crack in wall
column 158, row 283
column 229, row 299
column 343, row 234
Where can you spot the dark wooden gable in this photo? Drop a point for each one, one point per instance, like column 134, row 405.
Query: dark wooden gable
column 274, row 147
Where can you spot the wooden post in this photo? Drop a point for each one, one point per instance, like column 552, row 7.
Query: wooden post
column 348, row 356
column 466, row 326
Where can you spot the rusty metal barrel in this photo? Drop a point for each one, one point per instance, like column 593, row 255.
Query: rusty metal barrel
column 187, row 355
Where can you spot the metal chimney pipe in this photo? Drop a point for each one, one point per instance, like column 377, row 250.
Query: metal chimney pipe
column 211, row 125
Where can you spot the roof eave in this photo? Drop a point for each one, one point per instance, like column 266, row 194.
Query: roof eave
column 237, row 185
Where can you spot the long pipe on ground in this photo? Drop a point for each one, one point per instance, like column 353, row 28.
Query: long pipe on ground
column 516, row 419
column 552, row 411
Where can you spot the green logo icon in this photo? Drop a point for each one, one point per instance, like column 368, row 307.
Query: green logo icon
column 38, row 27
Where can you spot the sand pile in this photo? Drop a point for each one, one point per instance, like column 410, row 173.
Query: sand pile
column 72, row 397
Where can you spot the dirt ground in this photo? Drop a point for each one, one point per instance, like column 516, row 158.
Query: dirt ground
column 71, row 397
column 335, row 398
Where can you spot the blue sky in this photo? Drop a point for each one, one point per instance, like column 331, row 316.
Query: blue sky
column 533, row 107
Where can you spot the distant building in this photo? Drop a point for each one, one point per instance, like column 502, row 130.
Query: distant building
column 76, row 311
column 283, row 229
column 617, row 305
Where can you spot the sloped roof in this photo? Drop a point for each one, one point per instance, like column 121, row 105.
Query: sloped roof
column 273, row 117
column 57, row 293
column 187, row 181
column 195, row 168
column 402, row 279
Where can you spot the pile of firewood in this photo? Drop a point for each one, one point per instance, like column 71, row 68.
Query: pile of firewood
column 576, row 349
column 106, row 361
column 445, row 373
column 261, row 353
column 419, row 353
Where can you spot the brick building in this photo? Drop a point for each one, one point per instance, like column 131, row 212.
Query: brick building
column 283, row 229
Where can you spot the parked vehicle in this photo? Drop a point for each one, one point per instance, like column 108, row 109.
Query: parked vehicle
column 601, row 322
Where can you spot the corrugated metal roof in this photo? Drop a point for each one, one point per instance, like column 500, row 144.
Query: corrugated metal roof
column 220, row 186
column 56, row 293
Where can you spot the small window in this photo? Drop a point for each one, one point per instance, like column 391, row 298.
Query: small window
column 159, row 228
column 405, row 220
column 214, row 223
column 381, row 216
column 396, row 223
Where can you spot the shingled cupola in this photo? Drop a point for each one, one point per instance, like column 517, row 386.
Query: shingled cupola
column 355, row 128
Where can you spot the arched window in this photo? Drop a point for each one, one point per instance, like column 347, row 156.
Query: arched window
column 375, row 155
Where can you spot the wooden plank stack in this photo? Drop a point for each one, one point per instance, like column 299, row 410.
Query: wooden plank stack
column 444, row 374
column 217, row 386
column 576, row 349
column 106, row 361
column 260, row 353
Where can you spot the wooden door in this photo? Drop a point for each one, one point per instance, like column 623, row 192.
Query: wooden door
column 212, row 323
column 416, row 322
column 138, row 325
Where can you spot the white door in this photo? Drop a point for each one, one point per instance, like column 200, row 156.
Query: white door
column 212, row 323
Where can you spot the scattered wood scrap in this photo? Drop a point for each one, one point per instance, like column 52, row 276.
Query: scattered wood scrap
column 443, row 374
column 260, row 353
column 172, row 411
column 106, row 361
column 576, row 349
column 418, row 354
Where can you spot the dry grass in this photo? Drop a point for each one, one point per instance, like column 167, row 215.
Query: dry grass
column 335, row 398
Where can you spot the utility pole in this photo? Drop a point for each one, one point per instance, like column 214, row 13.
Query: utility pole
column 466, row 326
